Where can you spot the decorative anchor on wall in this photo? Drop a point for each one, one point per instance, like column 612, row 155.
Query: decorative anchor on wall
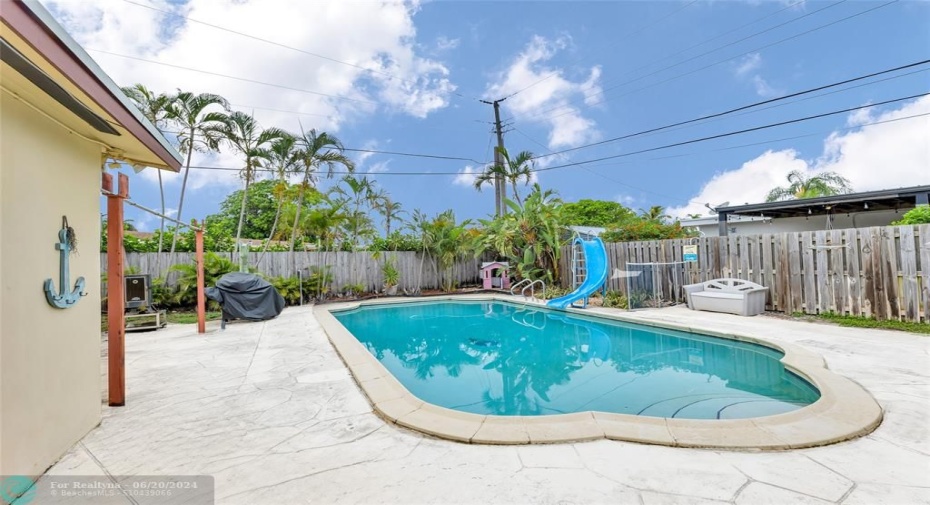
column 67, row 243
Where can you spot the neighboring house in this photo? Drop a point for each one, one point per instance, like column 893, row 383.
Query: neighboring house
column 61, row 119
column 854, row 210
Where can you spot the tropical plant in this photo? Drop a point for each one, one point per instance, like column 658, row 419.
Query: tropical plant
column 388, row 208
column 512, row 170
column 917, row 215
column 615, row 299
column 293, row 288
column 390, row 272
column 214, row 267
column 449, row 241
column 358, row 223
column 600, row 213
column 155, row 108
column 644, row 229
column 802, row 185
column 316, row 150
column 530, row 237
column 396, row 241
column 283, row 160
column 243, row 133
column 197, row 131
column 655, row 213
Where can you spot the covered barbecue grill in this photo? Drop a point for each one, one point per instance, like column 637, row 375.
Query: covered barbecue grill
column 246, row 296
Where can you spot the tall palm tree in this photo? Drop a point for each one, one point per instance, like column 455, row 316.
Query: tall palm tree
column 197, row 131
column 655, row 213
column 360, row 191
column 283, row 160
column 316, row 150
column 243, row 133
column 802, row 186
column 389, row 209
column 512, row 170
column 155, row 108
column 420, row 225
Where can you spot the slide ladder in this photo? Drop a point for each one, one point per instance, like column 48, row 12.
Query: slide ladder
column 589, row 272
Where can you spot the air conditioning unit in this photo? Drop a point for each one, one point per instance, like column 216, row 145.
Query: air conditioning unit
column 138, row 291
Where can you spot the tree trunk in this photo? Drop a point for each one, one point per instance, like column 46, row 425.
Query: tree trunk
column 245, row 197
column 274, row 225
column 300, row 204
column 187, row 171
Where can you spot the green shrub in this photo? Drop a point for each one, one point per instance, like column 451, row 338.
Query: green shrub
column 314, row 285
column 214, row 267
column 917, row 215
column 616, row 299
column 644, row 229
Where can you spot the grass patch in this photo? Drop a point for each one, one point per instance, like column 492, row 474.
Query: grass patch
column 175, row 318
column 191, row 317
column 868, row 322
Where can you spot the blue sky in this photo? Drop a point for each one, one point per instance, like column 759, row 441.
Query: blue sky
column 582, row 72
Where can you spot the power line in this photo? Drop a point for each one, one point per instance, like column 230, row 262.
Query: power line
column 616, row 163
column 729, row 134
column 233, row 77
column 285, row 46
column 641, row 29
column 741, row 108
column 675, row 77
column 521, row 132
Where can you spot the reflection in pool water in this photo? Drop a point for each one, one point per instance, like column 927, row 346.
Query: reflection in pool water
column 490, row 357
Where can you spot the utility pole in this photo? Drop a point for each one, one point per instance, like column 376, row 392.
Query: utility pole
column 500, row 185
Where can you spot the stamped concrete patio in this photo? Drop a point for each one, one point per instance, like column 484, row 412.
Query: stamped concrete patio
column 270, row 411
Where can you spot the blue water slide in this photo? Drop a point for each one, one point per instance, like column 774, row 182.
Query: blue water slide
column 595, row 260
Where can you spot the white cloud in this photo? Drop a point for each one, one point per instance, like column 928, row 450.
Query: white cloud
column 748, row 70
column 874, row 157
column 466, row 176
column 379, row 167
column 444, row 43
column 763, row 88
column 544, row 88
column 748, row 64
column 382, row 41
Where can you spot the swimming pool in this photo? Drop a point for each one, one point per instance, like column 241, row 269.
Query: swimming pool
column 408, row 361
column 498, row 358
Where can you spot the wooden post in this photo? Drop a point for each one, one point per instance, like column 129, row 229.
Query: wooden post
column 201, row 297
column 116, row 324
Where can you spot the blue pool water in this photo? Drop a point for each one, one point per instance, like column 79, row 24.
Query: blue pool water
column 507, row 359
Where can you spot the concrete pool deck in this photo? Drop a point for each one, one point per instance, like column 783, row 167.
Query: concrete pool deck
column 272, row 413
column 843, row 411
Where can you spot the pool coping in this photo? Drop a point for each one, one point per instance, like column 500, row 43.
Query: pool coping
column 845, row 410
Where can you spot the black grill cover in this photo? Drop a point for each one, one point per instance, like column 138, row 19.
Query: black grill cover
column 246, row 296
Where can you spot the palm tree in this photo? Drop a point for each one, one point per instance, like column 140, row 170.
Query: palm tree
column 361, row 190
column 283, row 158
column 655, row 213
column 197, row 131
column 419, row 225
column 512, row 170
column 802, row 186
column 243, row 133
column 388, row 208
column 155, row 109
column 316, row 150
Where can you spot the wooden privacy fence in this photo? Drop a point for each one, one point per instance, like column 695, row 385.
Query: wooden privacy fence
column 345, row 267
column 882, row 272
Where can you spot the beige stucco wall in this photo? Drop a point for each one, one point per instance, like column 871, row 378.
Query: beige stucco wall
column 50, row 385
